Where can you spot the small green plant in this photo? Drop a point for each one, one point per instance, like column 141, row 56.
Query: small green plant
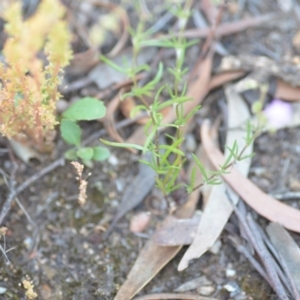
column 85, row 109
column 168, row 159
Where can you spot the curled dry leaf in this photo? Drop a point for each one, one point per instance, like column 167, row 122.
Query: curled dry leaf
column 83, row 62
column 262, row 203
column 23, row 151
column 127, row 106
column 109, row 119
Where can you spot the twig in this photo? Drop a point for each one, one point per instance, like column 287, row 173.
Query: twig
column 13, row 193
column 268, row 261
column 165, row 296
column 243, row 250
column 257, row 242
column 225, row 28
column 276, row 255
column 286, row 195
column 121, row 124
column 290, row 278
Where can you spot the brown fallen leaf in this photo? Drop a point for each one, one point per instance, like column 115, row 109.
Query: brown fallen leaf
column 222, row 78
column 218, row 208
column 109, row 119
column 83, row 62
column 262, row 203
column 287, row 92
column 176, row 232
column 23, row 151
column 127, row 106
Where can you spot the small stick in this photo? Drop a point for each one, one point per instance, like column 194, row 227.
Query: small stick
column 290, row 278
column 257, row 242
column 165, row 296
column 243, row 250
column 267, row 259
column 13, row 193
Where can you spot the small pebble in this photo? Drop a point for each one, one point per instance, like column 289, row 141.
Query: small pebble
column 113, row 160
column 230, row 273
column 2, row 290
column 294, row 184
column 193, row 284
column 233, row 288
column 140, row 222
column 190, row 143
column 28, row 242
column 215, row 248
column 206, row 290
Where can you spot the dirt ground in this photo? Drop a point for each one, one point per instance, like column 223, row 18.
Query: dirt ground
column 60, row 245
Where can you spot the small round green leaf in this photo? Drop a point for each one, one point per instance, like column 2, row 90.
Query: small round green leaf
column 85, row 109
column 70, row 132
column 88, row 163
column 100, row 153
column 71, row 154
column 85, row 153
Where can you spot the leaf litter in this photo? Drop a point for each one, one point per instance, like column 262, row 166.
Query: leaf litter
column 153, row 250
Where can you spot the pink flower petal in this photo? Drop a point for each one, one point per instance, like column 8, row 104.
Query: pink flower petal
column 278, row 113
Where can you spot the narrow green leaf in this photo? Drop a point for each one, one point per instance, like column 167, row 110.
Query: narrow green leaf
column 112, row 64
column 200, row 166
column 172, row 149
column 87, row 109
column 247, row 156
column 122, row 145
column 214, row 182
column 169, row 149
column 100, row 153
column 146, row 162
column 231, row 154
column 148, row 140
column 70, row 132
column 137, row 109
column 85, row 153
column 158, row 74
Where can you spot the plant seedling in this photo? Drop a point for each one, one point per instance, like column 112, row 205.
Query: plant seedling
column 86, row 109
